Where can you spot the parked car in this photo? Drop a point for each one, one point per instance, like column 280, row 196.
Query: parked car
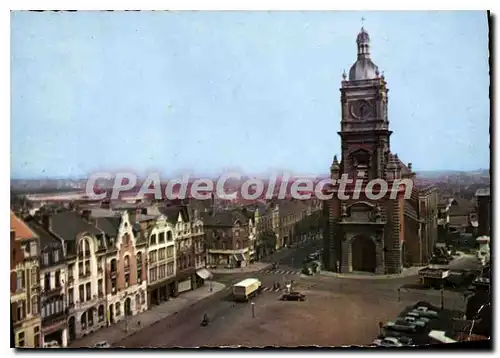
column 401, row 327
column 418, row 316
column 102, row 344
column 293, row 296
column 388, row 342
column 51, row 344
column 425, row 311
column 416, row 321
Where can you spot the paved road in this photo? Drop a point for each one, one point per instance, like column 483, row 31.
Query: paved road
column 183, row 329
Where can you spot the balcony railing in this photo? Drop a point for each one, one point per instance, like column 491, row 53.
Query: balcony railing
column 54, row 318
column 52, row 290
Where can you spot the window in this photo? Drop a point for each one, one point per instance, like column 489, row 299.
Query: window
column 143, row 297
column 126, row 262
column 152, row 239
column 87, row 267
column 88, row 291
column 20, row 281
column 161, row 238
column 137, row 301
column 81, row 290
column 170, row 252
column 152, row 257
column 45, row 258
column 83, row 320
column 113, row 265
column 36, row 332
column 161, row 273
column 100, row 313
column 70, row 296
column 170, row 269
column 113, row 285
column 20, row 339
column 34, row 305
column 21, row 310
column 161, row 254
column 99, row 263
column 152, row 274
column 100, row 287
column 169, row 236
column 58, row 278
column 90, row 317
column 127, row 280
column 71, row 267
column 117, row 309
column 33, row 248
column 80, row 268
column 35, row 278
column 46, row 281
column 55, row 256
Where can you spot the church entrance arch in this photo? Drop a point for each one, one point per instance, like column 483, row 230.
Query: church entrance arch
column 364, row 255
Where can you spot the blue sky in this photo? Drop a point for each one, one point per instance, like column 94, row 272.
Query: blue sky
column 256, row 91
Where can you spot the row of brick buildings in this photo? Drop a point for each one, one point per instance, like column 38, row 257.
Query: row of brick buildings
column 79, row 268
column 74, row 272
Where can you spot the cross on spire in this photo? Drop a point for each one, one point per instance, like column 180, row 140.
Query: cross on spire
column 362, row 21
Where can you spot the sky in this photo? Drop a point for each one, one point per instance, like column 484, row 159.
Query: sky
column 207, row 92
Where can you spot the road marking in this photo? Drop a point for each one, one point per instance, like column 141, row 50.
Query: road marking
column 280, row 272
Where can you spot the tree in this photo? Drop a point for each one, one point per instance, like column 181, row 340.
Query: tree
column 267, row 242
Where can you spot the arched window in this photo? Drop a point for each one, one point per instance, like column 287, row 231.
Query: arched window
column 117, row 309
column 139, row 258
column 113, row 265
column 83, row 320
column 126, row 262
column 101, row 313
column 169, row 236
column 90, row 317
column 152, row 239
column 137, row 302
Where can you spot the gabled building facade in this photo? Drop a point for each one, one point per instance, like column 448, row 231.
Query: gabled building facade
column 125, row 267
column 24, row 284
column 161, row 259
column 53, row 292
column 84, row 249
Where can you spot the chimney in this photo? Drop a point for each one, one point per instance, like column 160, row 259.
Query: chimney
column 47, row 222
column 86, row 215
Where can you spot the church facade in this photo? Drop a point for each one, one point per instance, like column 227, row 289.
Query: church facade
column 379, row 236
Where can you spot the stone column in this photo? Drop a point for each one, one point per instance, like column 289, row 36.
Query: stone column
column 64, row 338
column 379, row 249
column 346, row 265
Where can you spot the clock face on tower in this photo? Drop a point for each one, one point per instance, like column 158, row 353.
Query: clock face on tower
column 361, row 109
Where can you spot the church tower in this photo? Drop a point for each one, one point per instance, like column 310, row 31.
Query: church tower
column 364, row 131
column 363, row 233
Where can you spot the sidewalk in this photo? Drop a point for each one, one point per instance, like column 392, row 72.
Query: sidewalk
column 257, row 266
column 118, row 331
column 407, row 272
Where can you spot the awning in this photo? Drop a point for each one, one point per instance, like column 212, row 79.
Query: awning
column 204, row 273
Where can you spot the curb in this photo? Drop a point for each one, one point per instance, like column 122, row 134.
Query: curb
column 161, row 319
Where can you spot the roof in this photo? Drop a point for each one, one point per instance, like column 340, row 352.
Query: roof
column 109, row 225
column 172, row 213
column 22, row 230
column 46, row 238
column 68, row 225
column 483, row 192
column 459, row 221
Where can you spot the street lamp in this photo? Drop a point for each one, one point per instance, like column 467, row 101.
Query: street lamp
column 253, row 309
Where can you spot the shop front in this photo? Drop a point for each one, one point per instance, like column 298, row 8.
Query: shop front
column 201, row 276
column 54, row 330
column 162, row 291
